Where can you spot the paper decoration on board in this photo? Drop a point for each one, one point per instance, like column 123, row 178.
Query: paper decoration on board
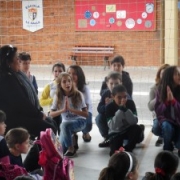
column 32, row 12
column 111, row 20
column 82, row 23
column 96, row 15
column 130, row 23
column 148, row 24
column 119, row 23
column 144, row 15
column 121, row 14
column 92, row 22
column 149, row 8
column 139, row 21
column 93, row 8
column 87, row 14
column 115, row 15
column 110, row 8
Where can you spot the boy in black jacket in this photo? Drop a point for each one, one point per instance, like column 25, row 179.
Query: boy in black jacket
column 117, row 64
column 113, row 79
column 122, row 120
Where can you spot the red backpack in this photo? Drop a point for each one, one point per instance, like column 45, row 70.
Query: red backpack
column 10, row 171
column 51, row 158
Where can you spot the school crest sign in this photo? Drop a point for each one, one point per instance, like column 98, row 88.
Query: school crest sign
column 32, row 15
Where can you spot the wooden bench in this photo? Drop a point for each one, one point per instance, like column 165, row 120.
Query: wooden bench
column 104, row 51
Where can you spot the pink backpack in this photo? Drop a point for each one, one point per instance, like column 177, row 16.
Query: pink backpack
column 9, row 171
column 51, row 158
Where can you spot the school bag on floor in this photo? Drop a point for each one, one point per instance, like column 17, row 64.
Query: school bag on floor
column 55, row 166
column 10, row 171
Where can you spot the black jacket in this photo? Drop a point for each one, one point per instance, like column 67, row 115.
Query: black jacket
column 19, row 110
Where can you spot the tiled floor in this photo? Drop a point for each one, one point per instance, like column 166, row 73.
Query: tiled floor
column 91, row 159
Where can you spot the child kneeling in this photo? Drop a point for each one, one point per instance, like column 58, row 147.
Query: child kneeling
column 122, row 121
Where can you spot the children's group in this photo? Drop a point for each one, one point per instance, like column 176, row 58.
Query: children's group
column 22, row 118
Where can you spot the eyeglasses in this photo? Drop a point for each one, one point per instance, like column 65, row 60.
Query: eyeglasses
column 11, row 48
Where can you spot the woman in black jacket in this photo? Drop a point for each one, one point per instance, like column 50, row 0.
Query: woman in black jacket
column 18, row 98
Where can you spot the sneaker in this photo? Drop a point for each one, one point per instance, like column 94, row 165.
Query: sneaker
column 105, row 143
column 159, row 141
column 86, row 137
column 70, row 154
column 142, row 127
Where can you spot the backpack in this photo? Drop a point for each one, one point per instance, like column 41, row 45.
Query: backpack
column 55, row 166
column 10, row 171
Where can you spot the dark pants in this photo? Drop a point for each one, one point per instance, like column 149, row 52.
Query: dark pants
column 132, row 134
column 58, row 120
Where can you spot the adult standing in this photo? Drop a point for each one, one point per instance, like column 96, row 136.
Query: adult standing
column 18, row 98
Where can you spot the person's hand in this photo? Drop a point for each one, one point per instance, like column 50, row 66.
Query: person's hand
column 44, row 115
column 108, row 100
column 170, row 96
column 65, row 104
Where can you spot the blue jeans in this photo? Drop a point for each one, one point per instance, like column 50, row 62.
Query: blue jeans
column 67, row 129
column 156, row 128
column 88, row 126
column 170, row 133
column 101, row 123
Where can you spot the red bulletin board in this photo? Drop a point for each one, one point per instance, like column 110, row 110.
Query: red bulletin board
column 115, row 15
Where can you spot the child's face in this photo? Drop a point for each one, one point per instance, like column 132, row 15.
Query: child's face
column 66, row 84
column 56, row 71
column 2, row 128
column 73, row 74
column 117, row 67
column 25, row 65
column 23, row 147
column 112, row 83
column 120, row 98
column 176, row 77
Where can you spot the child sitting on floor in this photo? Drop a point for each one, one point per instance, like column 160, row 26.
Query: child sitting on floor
column 113, row 79
column 117, row 65
column 122, row 165
column 4, row 151
column 122, row 120
column 165, row 165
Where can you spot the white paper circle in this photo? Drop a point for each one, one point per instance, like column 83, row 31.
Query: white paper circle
column 96, row 15
column 92, row 22
column 130, row 23
column 144, row 15
column 139, row 21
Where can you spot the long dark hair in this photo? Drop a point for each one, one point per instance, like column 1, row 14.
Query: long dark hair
column 165, row 165
column 118, row 167
column 167, row 80
column 81, row 77
column 7, row 54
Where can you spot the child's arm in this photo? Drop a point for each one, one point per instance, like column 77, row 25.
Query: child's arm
column 54, row 108
column 119, row 119
column 45, row 98
column 84, row 111
column 103, row 102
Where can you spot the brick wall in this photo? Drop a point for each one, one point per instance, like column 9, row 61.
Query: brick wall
column 55, row 40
